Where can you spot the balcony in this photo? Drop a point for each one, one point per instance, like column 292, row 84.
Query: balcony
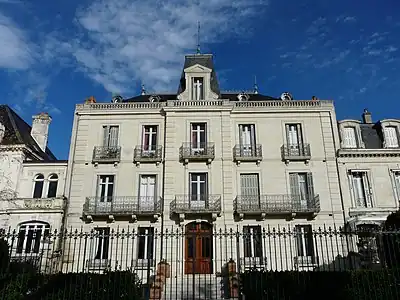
column 200, row 152
column 247, row 153
column 147, row 154
column 122, row 206
column 264, row 205
column 31, row 204
column 106, row 154
column 185, row 205
column 296, row 152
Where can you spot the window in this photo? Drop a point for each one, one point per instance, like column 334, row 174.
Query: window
column 105, row 188
column 349, row 137
column 199, row 137
column 198, row 88
column 250, row 192
column 52, row 188
column 302, row 189
column 38, row 186
column 110, row 136
column 252, row 241
column 101, row 243
column 30, row 237
column 147, row 192
column 198, row 188
column 145, row 243
column 360, row 189
column 149, row 140
column 304, row 240
column 397, row 184
column 247, row 139
column 294, row 138
column 391, row 137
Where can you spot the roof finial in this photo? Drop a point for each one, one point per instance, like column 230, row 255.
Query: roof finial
column 143, row 92
column 198, row 38
column 255, row 85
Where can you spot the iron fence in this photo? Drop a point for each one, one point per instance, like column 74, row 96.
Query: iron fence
column 196, row 261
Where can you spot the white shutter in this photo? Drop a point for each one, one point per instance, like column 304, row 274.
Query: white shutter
column 113, row 142
column 249, row 184
column 349, row 137
column 147, row 191
column 105, row 136
column 397, row 184
column 391, row 136
column 367, row 189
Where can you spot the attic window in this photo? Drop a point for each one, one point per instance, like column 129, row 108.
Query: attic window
column 243, row 97
column 198, row 88
column 154, row 98
column 2, row 132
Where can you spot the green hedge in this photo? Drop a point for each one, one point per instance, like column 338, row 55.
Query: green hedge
column 351, row 285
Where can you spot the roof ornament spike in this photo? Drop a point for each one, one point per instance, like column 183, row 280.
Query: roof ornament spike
column 198, row 38
column 255, row 85
column 143, row 90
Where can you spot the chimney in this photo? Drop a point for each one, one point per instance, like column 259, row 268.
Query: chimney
column 40, row 129
column 367, row 117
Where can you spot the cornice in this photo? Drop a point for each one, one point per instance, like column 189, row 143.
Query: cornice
column 369, row 152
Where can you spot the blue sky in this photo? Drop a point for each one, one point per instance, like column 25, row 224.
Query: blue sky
column 57, row 53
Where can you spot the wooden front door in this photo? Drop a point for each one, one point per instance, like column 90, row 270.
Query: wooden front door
column 198, row 248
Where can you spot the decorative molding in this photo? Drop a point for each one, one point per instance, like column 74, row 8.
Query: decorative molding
column 388, row 152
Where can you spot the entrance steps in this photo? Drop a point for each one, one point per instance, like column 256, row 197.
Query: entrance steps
column 194, row 287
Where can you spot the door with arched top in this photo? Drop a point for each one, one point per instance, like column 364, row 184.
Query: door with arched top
column 198, row 248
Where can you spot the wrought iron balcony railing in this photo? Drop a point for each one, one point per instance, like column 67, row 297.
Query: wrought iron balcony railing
column 199, row 151
column 276, row 204
column 145, row 153
column 104, row 154
column 296, row 152
column 196, row 204
column 247, row 152
column 122, row 206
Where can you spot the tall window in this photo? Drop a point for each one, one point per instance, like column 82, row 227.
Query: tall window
column 147, row 192
column 52, row 188
column 397, row 184
column 38, row 186
column 391, row 137
column 360, row 188
column 110, row 136
column 145, row 243
column 105, row 188
column 198, row 187
column 349, row 137
column 31, row 236
column 250, row 191
column 198, row 88
column 199, row 136
column 302, row 188
column 247, row 139
column 101, row 243
column 149, row 140
column 252, row 241
column 304, row 240
column 294, row 139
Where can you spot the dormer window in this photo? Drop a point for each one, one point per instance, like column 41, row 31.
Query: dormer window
column 349, row 137
column 391, row 137
column 198, row 88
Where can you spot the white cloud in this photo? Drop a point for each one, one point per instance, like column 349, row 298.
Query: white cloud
column 15, row 52
column 129, row 41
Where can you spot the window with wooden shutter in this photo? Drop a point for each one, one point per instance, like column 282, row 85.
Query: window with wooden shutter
column 391, row 137
column 110, row 136
column 360, row 189
column 397, row 184
column 249, row 187
column 349, row 137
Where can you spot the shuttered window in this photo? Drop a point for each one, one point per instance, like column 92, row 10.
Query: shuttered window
column 360, row 188
column 391, row 137
column 397, row 184
column 301, row 186
column 110, row 136
column 349, row 137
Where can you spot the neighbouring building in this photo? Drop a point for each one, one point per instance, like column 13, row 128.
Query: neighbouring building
column 202, row 161
column 31, row 182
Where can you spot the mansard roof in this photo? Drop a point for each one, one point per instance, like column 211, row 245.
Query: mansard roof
column 18, row 132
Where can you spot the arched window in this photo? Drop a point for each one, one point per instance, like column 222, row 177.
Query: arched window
column 38, row 186
column 30, row 236
column 52, row 189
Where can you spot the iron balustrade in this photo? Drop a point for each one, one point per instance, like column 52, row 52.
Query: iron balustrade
column 296, row 151
column 196, row 204
column 198, row 151
column 247, row 152
column 106, row 154
column 122, row 205
column 276, row 204
column 143, row 153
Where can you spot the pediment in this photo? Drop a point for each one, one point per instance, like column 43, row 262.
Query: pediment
column 197, row 68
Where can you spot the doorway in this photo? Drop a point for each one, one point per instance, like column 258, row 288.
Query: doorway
column 198, row 248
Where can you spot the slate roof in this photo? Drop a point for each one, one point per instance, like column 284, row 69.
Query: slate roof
column 18, row 132
column 372, row 135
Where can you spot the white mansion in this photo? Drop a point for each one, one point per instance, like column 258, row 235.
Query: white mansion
column 199, row 160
